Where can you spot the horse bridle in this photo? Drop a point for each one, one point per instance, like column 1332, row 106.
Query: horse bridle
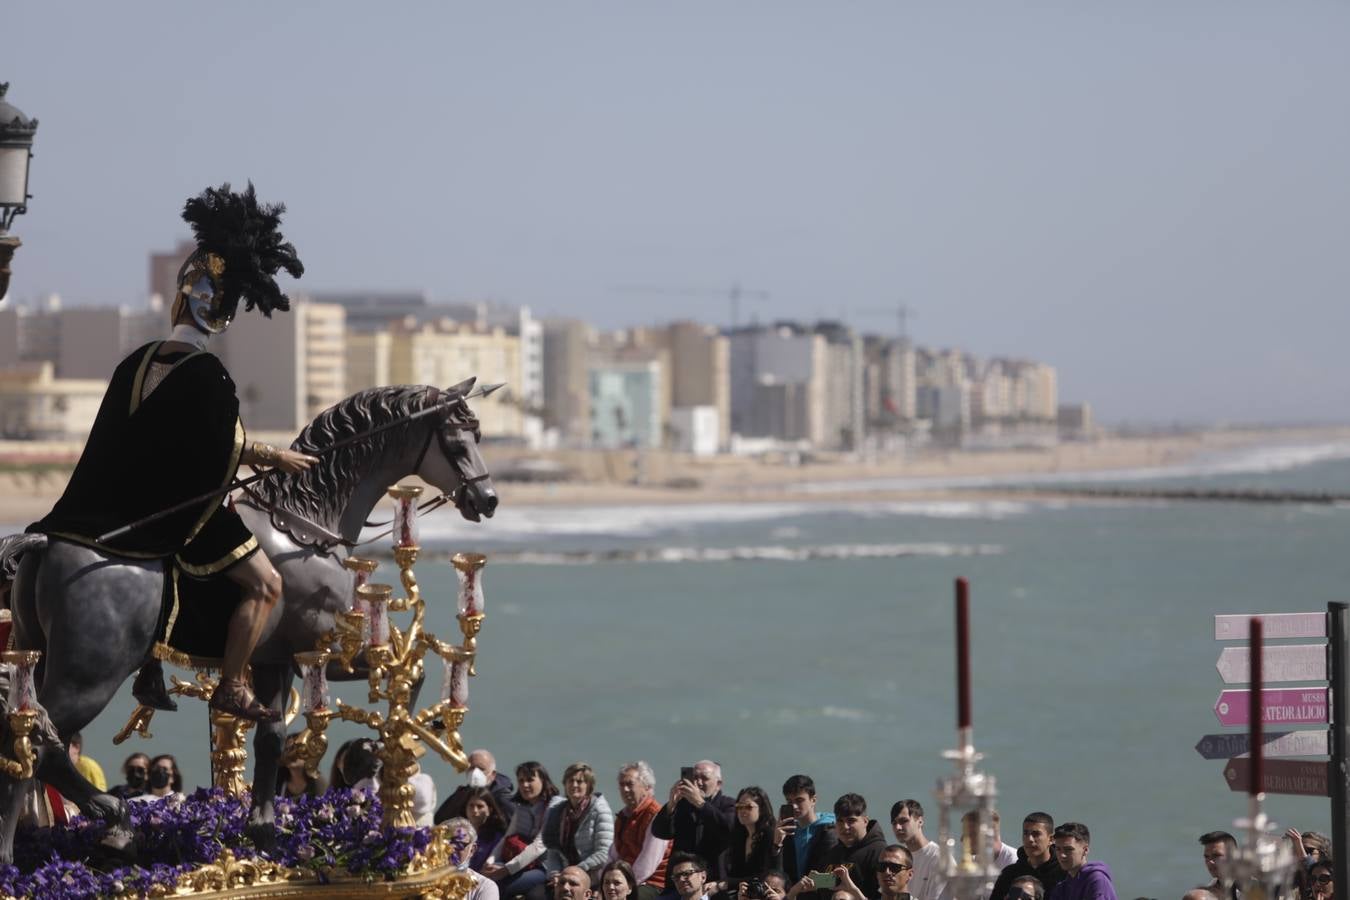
column 444, row 441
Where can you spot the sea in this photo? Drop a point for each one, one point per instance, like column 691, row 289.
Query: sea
column 818, row 637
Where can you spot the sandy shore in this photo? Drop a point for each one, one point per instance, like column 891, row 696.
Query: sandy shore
column 604, row 477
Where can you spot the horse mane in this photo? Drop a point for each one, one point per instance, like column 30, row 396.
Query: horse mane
column 321, row 493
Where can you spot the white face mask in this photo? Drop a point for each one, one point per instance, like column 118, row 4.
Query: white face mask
column 477, row 778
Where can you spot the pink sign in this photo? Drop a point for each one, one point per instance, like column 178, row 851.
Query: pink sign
column 1281, row 662
column 1297, row 706
column 1277, row 625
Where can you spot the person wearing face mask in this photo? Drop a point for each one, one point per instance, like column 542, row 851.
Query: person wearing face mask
column 135, row 768
column 165, row 782
column 482, row 773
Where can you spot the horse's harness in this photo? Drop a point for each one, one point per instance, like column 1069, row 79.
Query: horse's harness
column 308, row 533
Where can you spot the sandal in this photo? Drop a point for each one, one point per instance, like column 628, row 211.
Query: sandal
column 234, row 698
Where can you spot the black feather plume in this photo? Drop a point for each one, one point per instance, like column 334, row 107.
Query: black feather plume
column 246, row 235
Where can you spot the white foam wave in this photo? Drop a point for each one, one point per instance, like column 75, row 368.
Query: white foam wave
column 530, row 523
column 1242, row 461
column 772, row 553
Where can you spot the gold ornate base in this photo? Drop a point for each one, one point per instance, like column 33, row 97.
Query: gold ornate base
column 245, row 879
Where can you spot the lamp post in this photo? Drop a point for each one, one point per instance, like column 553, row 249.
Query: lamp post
column 16, row 149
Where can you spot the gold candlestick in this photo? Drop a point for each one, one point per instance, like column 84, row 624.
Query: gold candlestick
column 21, row 725
column 397, row 666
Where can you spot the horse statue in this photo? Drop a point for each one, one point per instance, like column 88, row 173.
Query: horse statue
column 95, row 616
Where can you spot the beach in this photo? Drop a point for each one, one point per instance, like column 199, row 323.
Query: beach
column 35, row 474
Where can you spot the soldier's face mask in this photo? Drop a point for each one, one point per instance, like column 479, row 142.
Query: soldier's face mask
column 201, row 288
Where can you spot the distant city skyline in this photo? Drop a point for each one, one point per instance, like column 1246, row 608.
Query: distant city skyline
column 1149, row 197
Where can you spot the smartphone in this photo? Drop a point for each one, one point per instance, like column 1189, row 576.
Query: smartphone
column 824, row 880
column 785, row 813
column 687, row 774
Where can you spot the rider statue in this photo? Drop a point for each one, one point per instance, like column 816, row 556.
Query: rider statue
column 169, row 431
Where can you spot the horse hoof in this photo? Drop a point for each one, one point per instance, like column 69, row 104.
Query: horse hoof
column 262, row 834
column 118, row 845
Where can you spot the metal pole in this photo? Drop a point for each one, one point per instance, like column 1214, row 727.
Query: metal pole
column 1339, row 774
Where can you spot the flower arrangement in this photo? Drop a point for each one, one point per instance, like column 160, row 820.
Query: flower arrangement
column 336, row 835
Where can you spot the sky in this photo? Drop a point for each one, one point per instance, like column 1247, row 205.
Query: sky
column 1154, row 197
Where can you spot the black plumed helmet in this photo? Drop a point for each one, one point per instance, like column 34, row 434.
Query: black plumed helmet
column 244, row 235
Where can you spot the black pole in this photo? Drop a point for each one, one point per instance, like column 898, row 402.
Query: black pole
column 1339, row 651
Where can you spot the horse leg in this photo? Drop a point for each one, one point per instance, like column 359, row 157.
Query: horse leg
column 271, row 682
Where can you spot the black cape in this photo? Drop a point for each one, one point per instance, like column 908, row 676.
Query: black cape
column 183, row 440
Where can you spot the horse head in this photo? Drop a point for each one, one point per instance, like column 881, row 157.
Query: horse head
column 458, row 470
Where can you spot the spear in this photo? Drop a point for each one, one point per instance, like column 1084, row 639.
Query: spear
column 481, row 391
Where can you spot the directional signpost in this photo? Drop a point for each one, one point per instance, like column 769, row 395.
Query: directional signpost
column 1280, row 776
column 1289, row 662
column 1274, row 743
column 1316, row 704
column 1298, row 706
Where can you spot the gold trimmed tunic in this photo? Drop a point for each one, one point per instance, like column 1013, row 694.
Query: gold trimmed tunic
column 148, row 453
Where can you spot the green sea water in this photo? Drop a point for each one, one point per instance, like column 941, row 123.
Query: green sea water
column 1094, row 659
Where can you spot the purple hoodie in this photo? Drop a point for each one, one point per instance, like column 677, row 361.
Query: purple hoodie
column 1093, row 882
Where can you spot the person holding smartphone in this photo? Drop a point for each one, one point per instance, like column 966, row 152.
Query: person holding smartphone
column 697, row 816
column 804, row 835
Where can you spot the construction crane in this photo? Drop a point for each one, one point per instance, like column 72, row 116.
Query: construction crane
column 733, row 295
column 901, row 312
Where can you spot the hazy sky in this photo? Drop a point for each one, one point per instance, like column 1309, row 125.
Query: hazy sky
column 1152, row 196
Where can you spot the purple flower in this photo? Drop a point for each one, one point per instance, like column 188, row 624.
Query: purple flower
column 340, row 831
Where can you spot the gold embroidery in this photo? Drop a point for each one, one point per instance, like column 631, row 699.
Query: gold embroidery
column 140, row 375
column 224, row 562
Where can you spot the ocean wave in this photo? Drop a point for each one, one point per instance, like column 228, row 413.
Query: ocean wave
column 770, row 553
column 1241, row 461
column 529, row 523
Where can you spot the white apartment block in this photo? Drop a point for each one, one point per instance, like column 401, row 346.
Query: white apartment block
column 288, row 368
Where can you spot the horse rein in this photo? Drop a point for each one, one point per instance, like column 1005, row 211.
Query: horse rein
column 328, row 539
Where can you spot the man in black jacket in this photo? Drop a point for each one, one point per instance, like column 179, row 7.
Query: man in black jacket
column 698, row 817
column 860, row 843
column 1035, row 857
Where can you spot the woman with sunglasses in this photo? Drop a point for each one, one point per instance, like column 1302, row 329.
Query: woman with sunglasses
column 1321, row 883
column 752, row 852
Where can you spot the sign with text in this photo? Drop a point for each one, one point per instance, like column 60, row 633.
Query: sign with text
column 1291, row 706
column 1281, row 776
column 1274, row 743
column 1289, row 662
column 1276, row 625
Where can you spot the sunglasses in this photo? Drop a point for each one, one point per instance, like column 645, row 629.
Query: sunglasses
column 893, row 868
column 1323, row 879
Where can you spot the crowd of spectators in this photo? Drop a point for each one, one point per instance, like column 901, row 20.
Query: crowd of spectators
column 538, row 840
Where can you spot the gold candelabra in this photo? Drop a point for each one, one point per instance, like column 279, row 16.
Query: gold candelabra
column 21, row 712
column 395, row 668
column 229, row 734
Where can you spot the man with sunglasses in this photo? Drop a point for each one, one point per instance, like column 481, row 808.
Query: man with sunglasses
column 894, row 869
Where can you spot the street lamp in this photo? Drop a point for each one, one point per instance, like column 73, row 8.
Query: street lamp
column 16, row 149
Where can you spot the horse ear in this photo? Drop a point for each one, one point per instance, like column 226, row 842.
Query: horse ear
column 462, row 389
